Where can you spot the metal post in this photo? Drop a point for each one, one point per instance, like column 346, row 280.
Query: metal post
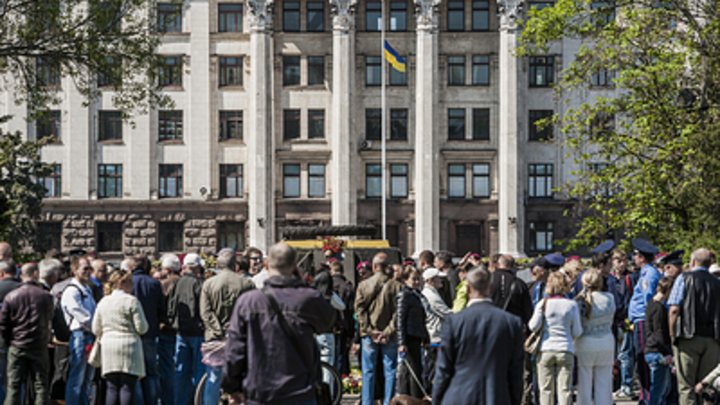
column 383, row 118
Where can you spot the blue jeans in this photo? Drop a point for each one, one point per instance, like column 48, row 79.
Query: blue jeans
column 81, row 373
column 211, row 394
column 369, row 359
column 627, row 365
column 326, row 344
column 189, row 368
column 166, row 368
column 3, row 369
column 659, row 378
column 146, row 389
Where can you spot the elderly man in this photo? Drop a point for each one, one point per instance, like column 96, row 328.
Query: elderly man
column 98, row 278
column 49, row 272
column 170, row 268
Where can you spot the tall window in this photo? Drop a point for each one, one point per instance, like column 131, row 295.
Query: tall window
column 373, row 125
column 456, row 124
column 171, row 181
column 110, row 181
column 398, row 78
column 398, row 124
column 169, row 17
column 231, row 181
column 316, row 124
column 456, row 16
column 230, row 17
column 316, row 70
column 399, row 181
column 398, row 16
column 481, row 124
column 373, row 180
column 291, row 70
column 231, row 71
column 231, row 125
column 602, row 78
column 480, row 15
column 48, row 72
column 291, row 129
column 170, row 236
column 541, row 181
column 537, row 133
column 110, row 74
column 170, row 125
column 542, row 71
column 481, row 180
column 108, row 16
column 48, row 125
column 456, row 181
column 373, row 71
column 373, row 14
column 541, row 236
column 53, row 182
column 291, row 16
column 171, row 72
column 110, row 125
column 456, row 70
column 291, row 181
column 231, row 234
column 481, row 70
column 316, row 181
column 109, row 236
column 315, row 16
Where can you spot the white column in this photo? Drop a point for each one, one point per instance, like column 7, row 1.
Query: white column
column 427, row 180
column 198, row 170
column 261, row 201
column 343, row 185
column 511, row 209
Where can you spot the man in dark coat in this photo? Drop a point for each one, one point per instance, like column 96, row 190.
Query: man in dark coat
column 481, row 356
column 509, row 292
column 345, row 290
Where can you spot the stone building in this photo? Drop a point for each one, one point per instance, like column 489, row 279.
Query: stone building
column 277, row 124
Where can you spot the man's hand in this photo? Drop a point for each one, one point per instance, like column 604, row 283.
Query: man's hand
column 699, row 387
column 669, row 360
column 237, row 398
column 375, row 336
column 402, row 349
column 355, row 349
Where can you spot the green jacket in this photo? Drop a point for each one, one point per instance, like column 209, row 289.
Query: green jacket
column 217, row 301
column 461, row 298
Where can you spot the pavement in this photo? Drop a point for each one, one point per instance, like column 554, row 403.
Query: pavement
column 354, row 399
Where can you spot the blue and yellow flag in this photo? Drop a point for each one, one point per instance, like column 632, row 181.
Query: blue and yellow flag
column 394, row 58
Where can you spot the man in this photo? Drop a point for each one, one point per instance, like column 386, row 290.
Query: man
column 375, row 306
column 672, row 264
column 443, row 262
column 509, row 292
column 626, row 350
column 262, row 364
column 539, row 272
column 345, row 290
column 481, row 355
column 397, row 272
column 257, row 268
column 49, row 271
column 99, row 277
column 25, row 326
column 78, row 307
column 602, row 260
column 184, row 316
column 492, row 264
column 694, row 318
column 8, row 282
column 426, row 259
column 217, row 300
column 437, row 309
column 5, row 251
column 170, row 267
column 643, row 254
column 323, row 282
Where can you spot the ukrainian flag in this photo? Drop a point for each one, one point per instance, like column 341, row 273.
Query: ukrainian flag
column 394, row 58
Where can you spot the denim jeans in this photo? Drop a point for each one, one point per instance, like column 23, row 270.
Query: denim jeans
column 326, row 344
column 659, row 378
column 166, row 368
column 189, row 368
column 211, row 394
column 3, row 368
column 369, row 359
column 146, row 389
column 81, row 373
column 627, row 365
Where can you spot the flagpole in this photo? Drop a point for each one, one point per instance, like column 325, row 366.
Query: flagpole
column 383, row 118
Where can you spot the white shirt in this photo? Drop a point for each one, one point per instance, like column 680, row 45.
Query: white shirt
column 259, row 279
column 78, row 308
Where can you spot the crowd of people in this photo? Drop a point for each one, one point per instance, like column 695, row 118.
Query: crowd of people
column 641, row 326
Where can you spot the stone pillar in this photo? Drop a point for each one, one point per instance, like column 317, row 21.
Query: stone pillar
column 511, row 209
column 261, row 196
column 427, row 178
column 343, row 184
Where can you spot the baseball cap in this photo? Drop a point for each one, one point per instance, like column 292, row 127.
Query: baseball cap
column 193, row 260
column 432, row 272
column 170, row 261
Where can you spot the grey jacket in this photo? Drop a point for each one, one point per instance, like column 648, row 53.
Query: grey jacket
column 217, row 300
column 184, row 306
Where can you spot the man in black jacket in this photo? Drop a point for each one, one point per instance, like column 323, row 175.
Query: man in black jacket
column 509, row 292
column 343, row 337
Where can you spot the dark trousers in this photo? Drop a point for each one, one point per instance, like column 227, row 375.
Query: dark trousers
column 642, row 368
column 407, row 384
column 24, row 364
column 120, row 389
column 147, row 390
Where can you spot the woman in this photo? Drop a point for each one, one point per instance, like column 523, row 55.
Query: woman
column 595, row 348
column 560, row 319
column 658, row 347
column 118, row 323
column 411, row 332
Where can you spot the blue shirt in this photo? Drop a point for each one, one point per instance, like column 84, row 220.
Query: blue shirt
column 644, row 291
column 678, row 291
column 97, row 283
column 537, row 292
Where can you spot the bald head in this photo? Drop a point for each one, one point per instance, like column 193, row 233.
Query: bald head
column 480, row 282
column 5, row 251
column 281, row 259
column 380, row 263
column 700, row 258
column 506, row 262
column 100, row 270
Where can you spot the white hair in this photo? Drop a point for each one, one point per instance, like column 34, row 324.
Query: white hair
column 49, row 266
column 170, row 261
column 125, row 265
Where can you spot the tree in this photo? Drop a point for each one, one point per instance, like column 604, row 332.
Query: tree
column 655, row 131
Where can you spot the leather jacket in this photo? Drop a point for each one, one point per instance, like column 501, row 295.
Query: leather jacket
column 26, row 315
column 410, row 316
column 700, row 308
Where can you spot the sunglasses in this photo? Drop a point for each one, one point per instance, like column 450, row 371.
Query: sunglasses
column 256, row 258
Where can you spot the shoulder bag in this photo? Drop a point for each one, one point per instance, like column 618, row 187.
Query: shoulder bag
column 532, row 343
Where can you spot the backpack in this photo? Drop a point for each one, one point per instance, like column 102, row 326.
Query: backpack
column 60, row 328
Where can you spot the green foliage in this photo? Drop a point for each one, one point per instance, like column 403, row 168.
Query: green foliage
column 662, row 179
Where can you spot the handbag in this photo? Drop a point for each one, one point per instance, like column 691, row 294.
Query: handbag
column 95, row 358
column 322, row 390
column 532, row 343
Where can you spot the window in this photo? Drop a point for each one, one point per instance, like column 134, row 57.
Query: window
column 541, row 181
column 292, row 125
column 540, row 5
column 48, row 125
column 373, row 71
column 316, row 70
column 399, row 181
column 397, row 78
column 53, row 182
column 456, row 181
column 108, row 16
column 398, row 16
column 231, row 125
column 110, row 125
column 373, row 11
column 541, row 236
column 456, row 16
column 316, row 181
column 170, row 125
column 373, row 125
column 50, row 235
column 456, row 124
column 45, row 15
column 398, row 124
column 110, row 181
column 231, row 181
column 603, row 13
column 315, row 16
column 169, row 17
column 231, row 71
column 291, row 181
column 170, row 236
column 171, row 73
column 481, row 180
column 291, row 16
column 456, row 70
column 291, row 70
column 602, row 78
column 171, row 181
column 316, row 124
column 481, row 15
column 538, row 133
column 541, row 71
column 230, row 17
column 110, row 74
column 109, row 236
column 481, row 70
column 481, row 124
column 48, row 72
column 602, row 125
column 231, row 234
column 468, row 238
column 373, row 181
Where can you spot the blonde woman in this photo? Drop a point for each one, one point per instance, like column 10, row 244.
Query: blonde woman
column 119, row 321
column 560, row 319
column 595, row 348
